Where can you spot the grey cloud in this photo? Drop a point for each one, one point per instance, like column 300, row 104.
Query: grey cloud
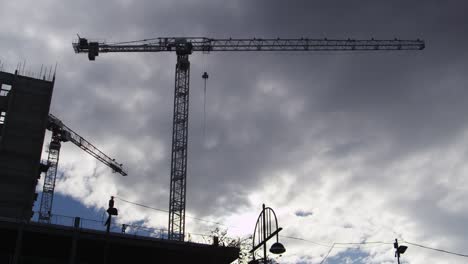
column 301, row 213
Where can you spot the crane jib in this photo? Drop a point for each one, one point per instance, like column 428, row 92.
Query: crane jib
column 93, row 48
column 67, row 134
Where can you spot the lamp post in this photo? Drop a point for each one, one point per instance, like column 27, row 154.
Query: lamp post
column 264, row 231
column 110, row 211
column 399, row 250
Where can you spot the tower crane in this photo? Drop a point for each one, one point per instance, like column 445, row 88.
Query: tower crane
column 183, row 47
column 62, row 133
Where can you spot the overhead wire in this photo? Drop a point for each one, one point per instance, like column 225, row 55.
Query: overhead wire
column 332, row 246
column 289, row 237
column 142, row 205
column 364, row 243
column 302, row 239
column 378, row 243
column 328, row 253
column 436, row 249
column 166, row 211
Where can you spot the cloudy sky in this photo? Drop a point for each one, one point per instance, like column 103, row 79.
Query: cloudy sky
column 346, row 147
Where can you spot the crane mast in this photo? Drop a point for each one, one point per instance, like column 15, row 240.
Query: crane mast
column 61, row 133
column 50, row 175
column 183, row 47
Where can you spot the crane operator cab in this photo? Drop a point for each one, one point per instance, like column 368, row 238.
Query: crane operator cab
column 182, row 46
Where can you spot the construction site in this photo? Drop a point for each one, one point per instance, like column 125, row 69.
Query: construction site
column 25, row 117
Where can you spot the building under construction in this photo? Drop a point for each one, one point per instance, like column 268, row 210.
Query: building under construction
column 24, row 119
column 24, row 107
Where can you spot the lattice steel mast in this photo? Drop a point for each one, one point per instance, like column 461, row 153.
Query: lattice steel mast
column 183, row 48
column 61, row 133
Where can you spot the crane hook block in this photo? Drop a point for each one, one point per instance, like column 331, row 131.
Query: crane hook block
column 205, row 76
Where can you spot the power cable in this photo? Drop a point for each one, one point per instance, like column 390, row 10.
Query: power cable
column 375, row 243
column 166, row 211
column 436, row 249
column 290, row 237
column 361, row 244
column 328, row 253
column 334, row 245
column 142, row 205
column 302, row 239
column 340, row 243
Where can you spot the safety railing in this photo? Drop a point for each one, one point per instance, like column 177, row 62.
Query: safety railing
column 123, row 229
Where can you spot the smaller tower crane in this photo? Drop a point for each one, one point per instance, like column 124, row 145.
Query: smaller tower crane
column 62, row 133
